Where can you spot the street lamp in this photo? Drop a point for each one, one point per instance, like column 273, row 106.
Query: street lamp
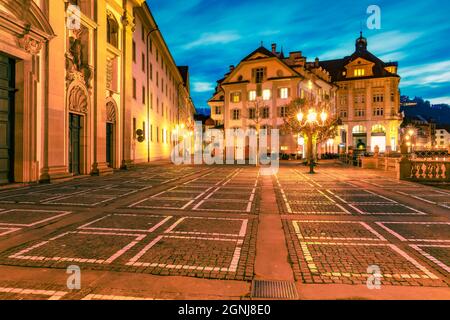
column 311, row 121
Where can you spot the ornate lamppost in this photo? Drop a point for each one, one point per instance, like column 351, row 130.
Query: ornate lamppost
column 310, row 123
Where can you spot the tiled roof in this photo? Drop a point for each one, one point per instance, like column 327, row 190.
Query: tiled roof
column 337, row 67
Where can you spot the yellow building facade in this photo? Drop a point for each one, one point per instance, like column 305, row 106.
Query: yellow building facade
column 254, row 94
column 367, row 101
column 68, row 88
column 363, row 92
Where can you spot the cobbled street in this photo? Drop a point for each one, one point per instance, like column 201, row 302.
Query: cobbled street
column 208, row 232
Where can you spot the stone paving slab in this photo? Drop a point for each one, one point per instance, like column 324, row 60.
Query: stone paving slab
column 418, row 231
column 127, row 223
column 347, row 262
column 438, row 254
column 29, row 217
column 386, row 209
column 335, row 230
column 336, row 224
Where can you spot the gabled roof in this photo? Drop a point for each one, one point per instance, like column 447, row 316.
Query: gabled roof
column 262, row 50
column 337, row 67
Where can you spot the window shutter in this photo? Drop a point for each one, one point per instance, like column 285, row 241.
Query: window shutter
column 289, row 92
column 279, row 93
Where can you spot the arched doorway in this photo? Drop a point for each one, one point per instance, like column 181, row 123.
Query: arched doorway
column 378, row 138
column 111, row 119
column 78, row 105
column 360, row 138
column 7, row 112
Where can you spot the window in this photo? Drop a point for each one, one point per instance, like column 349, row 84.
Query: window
column 378, row 111
column 151, row 133
column 360, row 112
column 282, row 112
column 259, row 74
column 236, row 114
column 218, row 110
column 267, row 94
column 235, row 97
column 359, row 72
column 142, row 33
column 265, row 113
column 134, row 51
column 284, row 93
column 252, row 113
column 378, row 128
column 343, row 100
column 143, row 94
column 112, row 29
column 359, row 130
column 378, row 98
column 343, row 113
column 157, row 134
column 143, row 62
column 360, row 98
column 252, row 95
column 134, row 88
column 134, row 128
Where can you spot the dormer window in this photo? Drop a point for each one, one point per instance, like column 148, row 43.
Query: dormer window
column 359, row 72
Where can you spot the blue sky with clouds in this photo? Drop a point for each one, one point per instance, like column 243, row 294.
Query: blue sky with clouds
column 210, row 35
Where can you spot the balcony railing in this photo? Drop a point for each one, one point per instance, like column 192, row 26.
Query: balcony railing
column 429, row 170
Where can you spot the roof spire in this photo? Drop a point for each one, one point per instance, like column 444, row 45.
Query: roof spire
column 262, row 43
column 361, row 42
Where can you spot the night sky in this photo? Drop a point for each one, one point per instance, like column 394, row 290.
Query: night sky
column 210, row 35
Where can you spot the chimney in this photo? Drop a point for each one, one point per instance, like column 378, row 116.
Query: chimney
column 274, row 48
column 295, row 55
column 231, row 68
column 316, row 62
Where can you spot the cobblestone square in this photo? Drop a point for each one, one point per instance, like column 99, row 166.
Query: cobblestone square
column 206, row 224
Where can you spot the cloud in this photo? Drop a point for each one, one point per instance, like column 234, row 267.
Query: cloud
column 207, row 39
column 431, row 74
column 392, row 41
column 440, row 100
column 202, row 86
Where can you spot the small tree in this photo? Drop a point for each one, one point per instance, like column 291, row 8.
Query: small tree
column 313, row 133
column 256, row 118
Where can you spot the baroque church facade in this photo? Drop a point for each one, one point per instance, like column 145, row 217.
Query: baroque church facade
column 72, row 101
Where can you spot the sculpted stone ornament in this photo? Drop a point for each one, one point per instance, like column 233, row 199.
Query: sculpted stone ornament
column 76, row 69
column 78, row 100
column 28, row 43
column 111, row 112
column 128, row 21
